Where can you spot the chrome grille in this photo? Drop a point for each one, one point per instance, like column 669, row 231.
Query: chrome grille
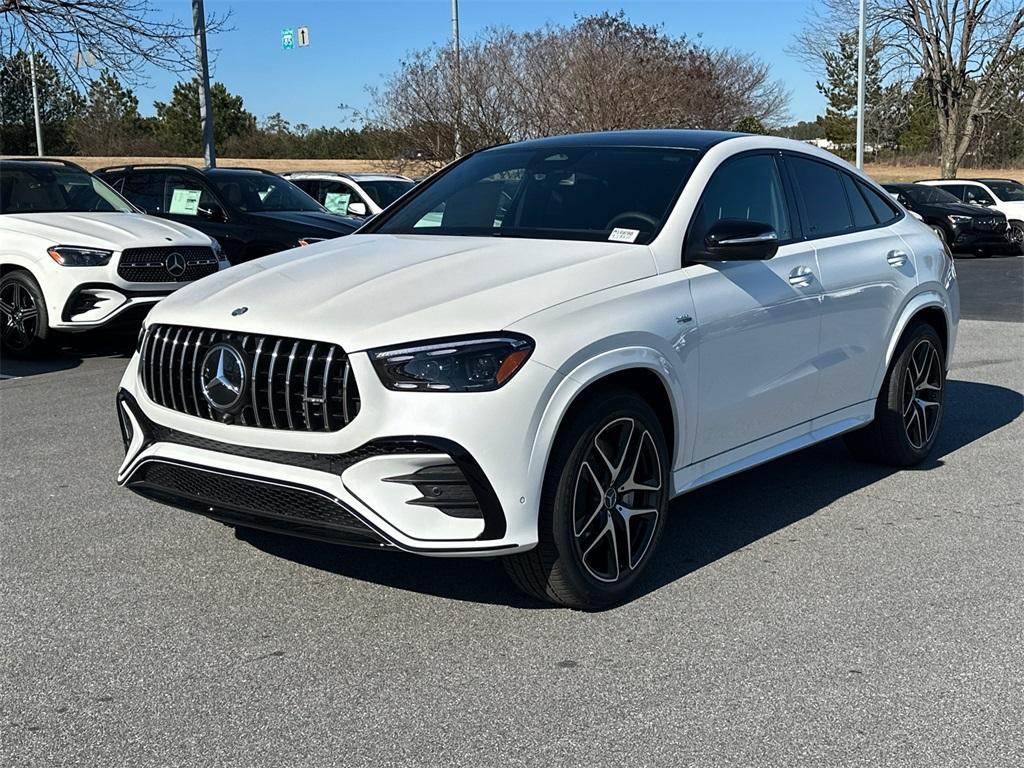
column 150, row 265
column 990, row 224
column 291, row 384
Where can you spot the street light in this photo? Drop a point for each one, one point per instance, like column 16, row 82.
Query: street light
column 458, row 77
column 205, row 104
column 861, row 75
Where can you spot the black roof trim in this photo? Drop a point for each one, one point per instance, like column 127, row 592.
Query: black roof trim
column 667, row 138
column 34, row 160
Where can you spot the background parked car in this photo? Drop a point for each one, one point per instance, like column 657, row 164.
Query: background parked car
column 75, row 255
column 962, row 227
column 250, row 212
column 352, row 194
column 1003, row 195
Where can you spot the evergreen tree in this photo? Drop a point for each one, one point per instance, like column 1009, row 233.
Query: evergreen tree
column 110, row 122
column 178, row 125
column 839, row 123
column 58, row 104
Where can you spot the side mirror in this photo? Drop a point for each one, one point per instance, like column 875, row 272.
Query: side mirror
column 740, row 240
column 357, row 209
column 213, row 213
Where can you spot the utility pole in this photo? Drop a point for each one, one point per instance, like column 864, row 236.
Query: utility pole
column 205, row 105
column 862, row 46
column 458, row 77
column 35, row 100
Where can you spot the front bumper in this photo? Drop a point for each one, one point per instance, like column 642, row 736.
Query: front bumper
column 986, row 242
column 446, row 480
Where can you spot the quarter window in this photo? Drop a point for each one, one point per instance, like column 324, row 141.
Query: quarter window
column 747, row 188
column 862, row 214
column 883, row 210
column 819, row 191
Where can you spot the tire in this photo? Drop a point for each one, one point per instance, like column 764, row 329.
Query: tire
column 590, row 560
column 24, row 323
column 908, row 412
column 1015, row 235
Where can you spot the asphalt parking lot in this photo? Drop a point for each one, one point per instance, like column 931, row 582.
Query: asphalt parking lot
column 814, row 611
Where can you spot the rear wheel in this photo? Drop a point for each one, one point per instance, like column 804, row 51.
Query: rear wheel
column 603, row 506
column 1015, row 234
column 908, row 412
column 24, row 326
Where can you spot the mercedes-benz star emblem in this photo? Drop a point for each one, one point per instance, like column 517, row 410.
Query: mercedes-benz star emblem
column 175, row 264
column 222, row 377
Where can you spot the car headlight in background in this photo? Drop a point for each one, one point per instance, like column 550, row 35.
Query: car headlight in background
column 957, row 220
column 311, row 240
column 70, row 256
column 464, row 364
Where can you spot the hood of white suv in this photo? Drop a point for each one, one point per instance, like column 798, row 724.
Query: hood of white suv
column 110, row 231
column 365, row 291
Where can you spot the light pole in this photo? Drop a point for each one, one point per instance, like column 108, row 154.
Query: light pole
column 458, row 77
column 861, row 75
column 35, row 100
column 205, row 105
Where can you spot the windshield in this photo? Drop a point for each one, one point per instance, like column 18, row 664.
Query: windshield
column 385, row 192
column 56, row 189
column 925, row 195
column 1007, row 191
column 262, row 192
column 621, row 194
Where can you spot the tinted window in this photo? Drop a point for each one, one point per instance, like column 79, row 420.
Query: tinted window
column 748, row 188
column 47, row 188
column 819, row 191
column 1008, row 191
column 257, row 192
column 883, row 210
column 384, row 193
column 187, row 195
column 925, row 195
column 862, row 215
column 146, row 190
column 337, row 196
column 954, row 189
column 571, row 193
column 978, row 195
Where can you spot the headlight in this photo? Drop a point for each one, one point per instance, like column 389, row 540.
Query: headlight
column 464, row 364
column 70, row 256
column 955, row 219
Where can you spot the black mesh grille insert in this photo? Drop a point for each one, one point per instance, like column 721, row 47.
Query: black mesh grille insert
column 242, row 494
column 157, row 265
column 289, row 383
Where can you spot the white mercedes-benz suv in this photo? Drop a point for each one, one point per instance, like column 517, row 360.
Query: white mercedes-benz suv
column 533, row 352
column 76, row 256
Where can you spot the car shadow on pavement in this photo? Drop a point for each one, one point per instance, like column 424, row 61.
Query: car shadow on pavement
column 703, row 526
column 68, row 353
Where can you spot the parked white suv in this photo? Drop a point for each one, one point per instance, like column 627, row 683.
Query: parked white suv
column 76, row 256
column 352, row 194
column 1003, row 195
column 535, row 350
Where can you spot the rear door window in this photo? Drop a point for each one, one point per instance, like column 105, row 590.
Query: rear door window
column 821, row 198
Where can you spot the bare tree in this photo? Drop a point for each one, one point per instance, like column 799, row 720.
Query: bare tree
column 124, row 36
column 960, row 48
column 601, row 73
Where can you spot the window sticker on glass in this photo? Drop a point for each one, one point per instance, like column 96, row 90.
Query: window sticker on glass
column 620, row 235
column 337, row 202
column 185, row 201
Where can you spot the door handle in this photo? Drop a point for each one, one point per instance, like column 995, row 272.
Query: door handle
column 896, row 258
column 801, row 277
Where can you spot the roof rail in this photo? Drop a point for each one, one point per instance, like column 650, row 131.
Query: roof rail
column 243, row 168
column 133, row 166
column 58, row 160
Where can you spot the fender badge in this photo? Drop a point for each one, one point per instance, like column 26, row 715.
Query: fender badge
column 239, row 311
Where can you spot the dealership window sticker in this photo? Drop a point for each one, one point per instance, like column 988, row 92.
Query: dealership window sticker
column 185, row 201
column 337, row 202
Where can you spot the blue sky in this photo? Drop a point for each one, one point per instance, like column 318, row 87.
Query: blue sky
column 356, row 43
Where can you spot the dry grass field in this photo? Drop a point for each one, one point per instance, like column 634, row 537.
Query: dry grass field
column 880, row 172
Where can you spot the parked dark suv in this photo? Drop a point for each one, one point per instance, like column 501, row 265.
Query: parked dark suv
column 962, row 227
column 250, row 212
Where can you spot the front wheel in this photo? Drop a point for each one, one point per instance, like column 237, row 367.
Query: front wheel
column 603, row 506
column 24, row 327
column 908, row 412
column 1015, row 235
